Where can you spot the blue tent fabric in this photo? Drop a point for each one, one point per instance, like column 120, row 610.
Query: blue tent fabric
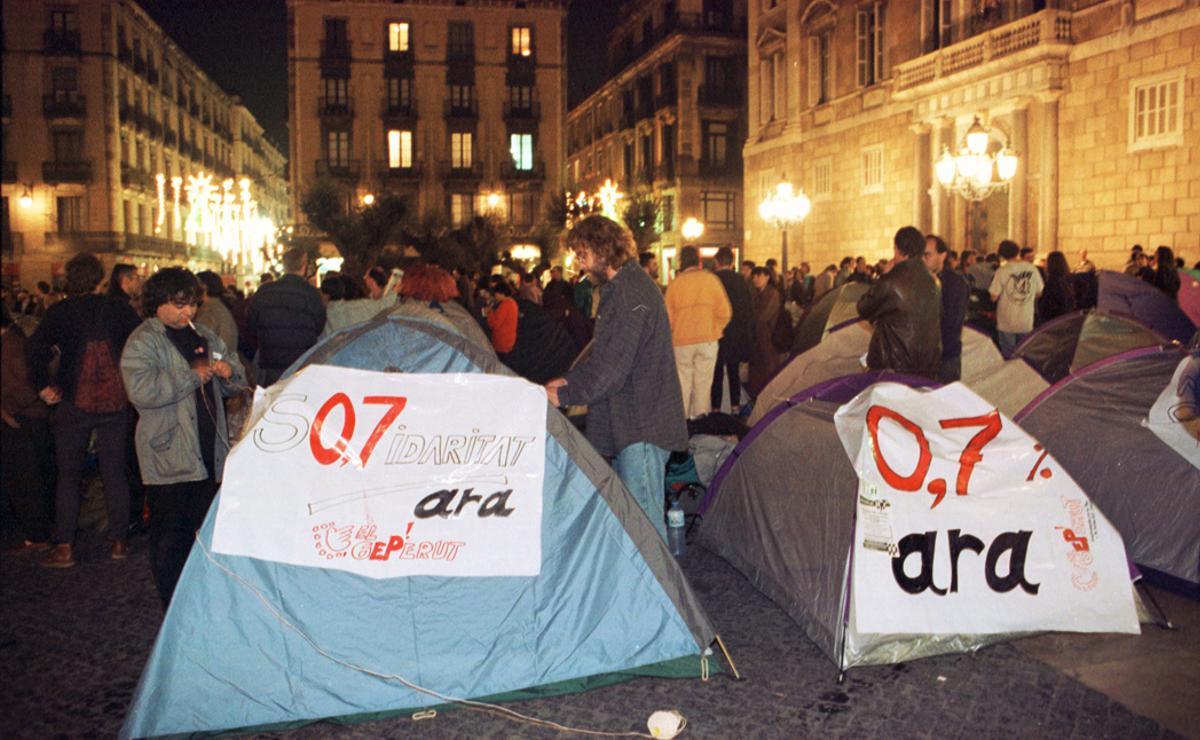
column 1129, row 295
column 249, row 643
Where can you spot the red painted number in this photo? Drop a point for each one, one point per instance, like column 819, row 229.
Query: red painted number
column 900, row 482
column 327, row 456
column 973, row 452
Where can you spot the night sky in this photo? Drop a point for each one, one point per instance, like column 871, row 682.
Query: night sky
column 242, row 45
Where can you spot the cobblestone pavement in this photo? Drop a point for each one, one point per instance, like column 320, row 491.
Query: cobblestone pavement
column 72, row 645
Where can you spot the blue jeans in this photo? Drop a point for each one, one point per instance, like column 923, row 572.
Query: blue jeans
column 1009, row 342
column 643, row 468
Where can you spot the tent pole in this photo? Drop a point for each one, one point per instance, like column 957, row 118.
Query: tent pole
column 728, row 658
column 1164, row 621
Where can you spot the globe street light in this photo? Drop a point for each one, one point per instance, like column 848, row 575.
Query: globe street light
column 692, row 229
column 783, row 208
column 973, row 173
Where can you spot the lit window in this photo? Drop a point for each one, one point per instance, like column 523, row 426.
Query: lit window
column 717, row 209
column 462, row 208
column 522, row 41
column 872, row 169
column 521, row 146
column 460, row 149
column 1156, row 111
column 397, row 37
column 399, row 149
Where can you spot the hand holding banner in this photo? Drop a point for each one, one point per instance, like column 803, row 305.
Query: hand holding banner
column 1016, row 547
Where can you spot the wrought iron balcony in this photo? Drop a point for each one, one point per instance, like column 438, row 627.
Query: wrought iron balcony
column 59, row 172
column 412, row 172
column 462, row 108
column 335, row 55
column 346, row 169
column 728, row 168
column 726, row 95
column 60, row 41
column 335, row 107
column 131, row 177
column 396, row 110
column 510, row 171
column 530, row 111
column 450, row 171
column 64, row 104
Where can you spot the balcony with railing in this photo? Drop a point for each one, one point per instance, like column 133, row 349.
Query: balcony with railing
column 462, row 109
column 132, row 177
column 1048, row 29
column 719, row 96
column 335, row 107
column 397, row 63
column 399, row 111
column 61, row 41
column 522, row 111
column 344, row 169
column 693, row 23
column 510, row 171
column 56, row 172
column 412, row 172
column 460, row 53
column 64, row 104
column 729, row 167
column 450, row 171
column 335, row 55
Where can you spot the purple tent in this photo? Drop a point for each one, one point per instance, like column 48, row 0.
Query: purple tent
column 1075, row 340
column 1129, row 295
column 1092, row 421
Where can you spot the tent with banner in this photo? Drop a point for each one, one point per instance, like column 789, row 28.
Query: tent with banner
column 1009, row 385
column 834, row 309
column 1073, row 341
column 1125, row 294
column 529, row 571
column 872, row 561
column 1139, row 458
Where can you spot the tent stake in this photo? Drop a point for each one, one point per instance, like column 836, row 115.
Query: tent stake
column 728, row 658
column 1164, row 621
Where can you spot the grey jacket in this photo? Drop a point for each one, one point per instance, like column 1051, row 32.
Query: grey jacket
column 162, row 386
column 627, row 375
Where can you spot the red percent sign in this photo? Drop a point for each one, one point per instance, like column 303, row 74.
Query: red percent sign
column 340, row 450
column 971, row 454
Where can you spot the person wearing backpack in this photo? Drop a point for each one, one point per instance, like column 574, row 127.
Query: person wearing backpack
column 89, row 331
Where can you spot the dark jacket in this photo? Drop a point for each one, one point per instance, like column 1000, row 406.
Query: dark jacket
column 905, row 308
column 1058, row 298
column 69, row 325
column 627, row 376
column 739, row 332
column 764, row 358
column 286, row 317
column 956, row 295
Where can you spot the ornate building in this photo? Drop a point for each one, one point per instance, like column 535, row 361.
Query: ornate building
column 856, row 101
column 456, row 104
column 100, row 106
column 670, row 119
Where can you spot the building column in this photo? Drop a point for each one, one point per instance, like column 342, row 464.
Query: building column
column 922, row 178
column 1018, row 201
column 940, row 199
column 1048, row 187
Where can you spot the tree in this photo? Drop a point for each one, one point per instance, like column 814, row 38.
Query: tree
column 476, row 245
column 640, row 215
column 361, row 233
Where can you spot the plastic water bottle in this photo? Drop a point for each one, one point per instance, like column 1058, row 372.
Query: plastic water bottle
column 676, row 532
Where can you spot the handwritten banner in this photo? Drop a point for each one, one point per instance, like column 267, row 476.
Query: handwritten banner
column 389, row 474
column 966, row 524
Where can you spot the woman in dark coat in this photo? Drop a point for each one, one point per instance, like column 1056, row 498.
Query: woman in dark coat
column 764, row 360
column 1058, row 297
column 1165, row 277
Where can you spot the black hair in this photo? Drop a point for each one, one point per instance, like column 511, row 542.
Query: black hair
column 939, row 244
column 724, row 256
column 212, row 283
column 909, row 242
column 645, row 258
column 84, row 273
column 167, row 285
column 119, row 271
column 333, row 286
column 689, row 256
column 1008, row 249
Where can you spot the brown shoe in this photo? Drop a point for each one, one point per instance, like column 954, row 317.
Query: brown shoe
column 120, row 550
column 61, row 557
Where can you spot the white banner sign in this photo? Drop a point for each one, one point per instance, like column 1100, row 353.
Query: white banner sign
column 966, row 525
column 390, row 474
column 1175, row 416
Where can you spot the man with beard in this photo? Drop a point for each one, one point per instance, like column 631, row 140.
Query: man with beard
column 627, row 376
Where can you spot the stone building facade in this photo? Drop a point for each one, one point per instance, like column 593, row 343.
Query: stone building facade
column 98, row 103
column 670, row 119
column 458, row 105
column 855, row 101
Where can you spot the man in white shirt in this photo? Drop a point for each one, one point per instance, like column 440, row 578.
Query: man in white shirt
column 1015, row 289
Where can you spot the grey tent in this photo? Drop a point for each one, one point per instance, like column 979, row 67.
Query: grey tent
column 1124, row 294
column 1008, row 385
column 834, row 309
column 782, row 511
column 1092, row 422
column 1071, row 342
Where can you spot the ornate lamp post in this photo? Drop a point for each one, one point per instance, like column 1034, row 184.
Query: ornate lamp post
column 974, row 173
column 692, row 229
column 783, row 208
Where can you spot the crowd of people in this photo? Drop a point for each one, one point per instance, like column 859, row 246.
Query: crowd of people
column 155, row 377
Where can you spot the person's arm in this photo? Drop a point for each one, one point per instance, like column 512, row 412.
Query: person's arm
column 1039, row 283
column 877, row 300
column 610, row 360
column 996, row 287
column 147, row 382
column 40, row 349
column 231, row 376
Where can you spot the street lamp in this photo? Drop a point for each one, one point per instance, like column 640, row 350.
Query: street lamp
column 26, row 199
column 974, row 173
column 782, row 208
column 692, row 229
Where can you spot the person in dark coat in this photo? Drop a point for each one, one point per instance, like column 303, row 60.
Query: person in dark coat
column 1058, row 297
column 1165, row 276
column 956, row 294
column 286, row 317
column 764, row 358
column 734, row 345
column 905, row 307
